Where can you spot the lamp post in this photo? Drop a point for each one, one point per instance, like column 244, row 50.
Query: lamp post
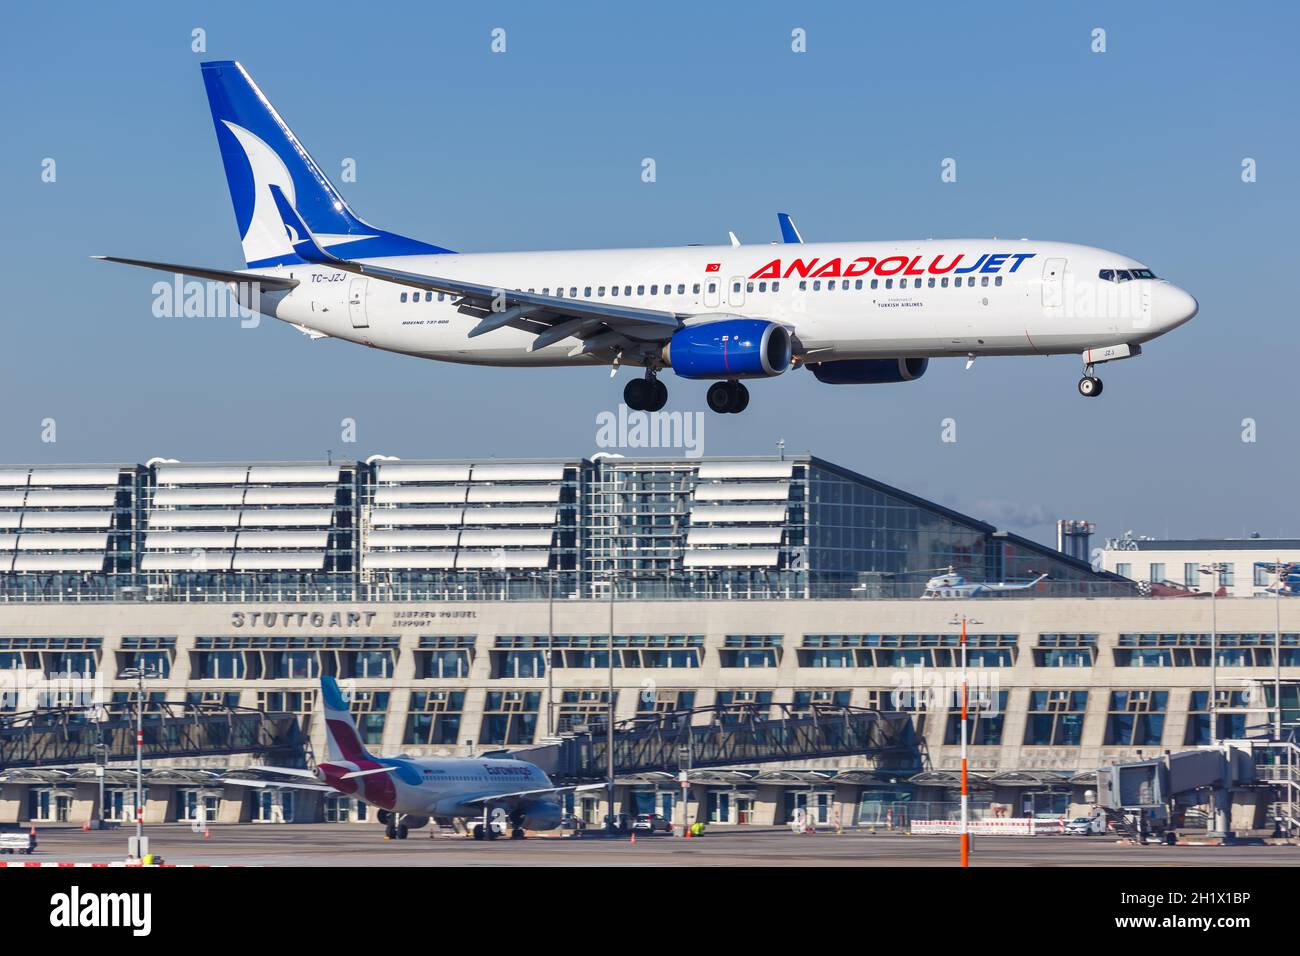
column 609, row 719
column 139, row 846
column 963, row 620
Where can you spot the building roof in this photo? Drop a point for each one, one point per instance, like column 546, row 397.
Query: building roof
column 1203, row 544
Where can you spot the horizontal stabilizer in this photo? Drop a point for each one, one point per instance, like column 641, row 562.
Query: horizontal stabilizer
column 267, row 283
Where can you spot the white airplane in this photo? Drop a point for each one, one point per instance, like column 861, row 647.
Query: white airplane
column 953, row 585
column 498, row 793
column 851, row 312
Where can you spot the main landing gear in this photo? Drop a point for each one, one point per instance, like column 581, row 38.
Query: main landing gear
column 646, row 394
column 1089, row 385
column 728, row 398
column 394, row 828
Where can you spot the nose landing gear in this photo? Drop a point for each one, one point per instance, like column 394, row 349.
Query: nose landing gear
column 728, row 398
column 1089, row 385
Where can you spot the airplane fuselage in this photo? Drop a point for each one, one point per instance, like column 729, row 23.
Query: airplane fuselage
column 930, row 298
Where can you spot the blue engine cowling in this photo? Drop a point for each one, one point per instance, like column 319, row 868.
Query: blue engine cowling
column 730, row 348
column 542, row 815
column 869, row 371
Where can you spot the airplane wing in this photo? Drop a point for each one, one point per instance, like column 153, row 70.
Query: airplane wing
column 292, row 785
column 599, row 326
column 268, row 283
column 519, row 794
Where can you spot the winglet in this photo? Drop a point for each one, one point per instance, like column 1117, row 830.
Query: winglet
column 300, row 236
column 788, row 232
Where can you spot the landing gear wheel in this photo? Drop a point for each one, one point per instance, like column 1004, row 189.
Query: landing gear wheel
column 639, row 393
column 1089, row 386
column 479, row 831
column 658, row 396
column 390, row 831
column 516, row 834
column 492, row 833
column 402, row 831
column 741, row 399
column 719, row 397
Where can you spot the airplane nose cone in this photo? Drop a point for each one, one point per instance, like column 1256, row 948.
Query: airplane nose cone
column 1174, row 306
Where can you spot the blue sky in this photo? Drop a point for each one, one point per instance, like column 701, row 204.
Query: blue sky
column 1138, row 149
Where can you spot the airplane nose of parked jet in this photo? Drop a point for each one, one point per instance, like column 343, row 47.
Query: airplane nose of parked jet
column 1173, row 306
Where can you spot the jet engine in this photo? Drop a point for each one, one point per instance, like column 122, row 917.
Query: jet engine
column 542, row 815
column 869, row 371
column 729, row 348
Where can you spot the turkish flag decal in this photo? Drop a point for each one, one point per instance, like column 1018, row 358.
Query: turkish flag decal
column 713, row 267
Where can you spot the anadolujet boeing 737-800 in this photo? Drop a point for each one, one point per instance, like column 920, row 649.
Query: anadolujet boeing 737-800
column 851, row 312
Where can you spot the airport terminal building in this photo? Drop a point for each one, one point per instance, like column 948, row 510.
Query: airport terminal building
column 476, row 606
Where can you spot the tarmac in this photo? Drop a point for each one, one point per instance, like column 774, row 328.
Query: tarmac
column 364, row 845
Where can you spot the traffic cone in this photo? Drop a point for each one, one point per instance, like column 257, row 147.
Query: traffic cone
column 33, row 832
column 633, row 840
column 85, row 827
column 206, row 833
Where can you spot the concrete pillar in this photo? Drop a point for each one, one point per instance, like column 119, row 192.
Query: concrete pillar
column 235, row 806
column 85, row 803
column 159, row 804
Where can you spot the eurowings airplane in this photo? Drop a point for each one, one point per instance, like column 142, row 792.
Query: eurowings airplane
column 498, row 793
column 851, row 312
column 952, row 585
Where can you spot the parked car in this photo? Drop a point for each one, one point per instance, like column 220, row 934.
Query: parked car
column 652, row 822
column 1084, row 826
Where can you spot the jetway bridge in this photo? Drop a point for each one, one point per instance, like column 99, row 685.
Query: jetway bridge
column 734, row 736
column 61, row 736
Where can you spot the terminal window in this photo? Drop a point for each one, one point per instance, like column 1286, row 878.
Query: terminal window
column 1136, row 718
column 1056, row 718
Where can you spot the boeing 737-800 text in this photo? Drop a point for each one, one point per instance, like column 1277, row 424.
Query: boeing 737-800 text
column 851, row 312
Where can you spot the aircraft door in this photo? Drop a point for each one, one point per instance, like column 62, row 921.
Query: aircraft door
column 736, row 292
column 357, row 303
column 712, row 291
column 1054, row 287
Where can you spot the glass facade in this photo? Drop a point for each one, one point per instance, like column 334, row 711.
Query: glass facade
column 386, row 530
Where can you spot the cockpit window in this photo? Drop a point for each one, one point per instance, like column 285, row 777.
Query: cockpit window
column 1123, row 275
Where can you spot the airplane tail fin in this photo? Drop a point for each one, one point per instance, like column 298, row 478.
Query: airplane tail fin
column 342, row 742
column 259, row 151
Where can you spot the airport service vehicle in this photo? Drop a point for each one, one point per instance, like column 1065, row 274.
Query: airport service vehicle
column 853, row 313
column 17, row 843
column 496, row 794
column 1087, row 826
column 952, row 585
column 652, row 823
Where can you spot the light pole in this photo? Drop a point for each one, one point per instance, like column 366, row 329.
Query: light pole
column 965, row 785
column 609, row 720
column 139, row 847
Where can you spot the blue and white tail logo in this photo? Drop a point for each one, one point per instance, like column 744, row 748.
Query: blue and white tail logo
column 259, row 151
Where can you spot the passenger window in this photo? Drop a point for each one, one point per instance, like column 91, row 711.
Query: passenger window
column 762, row 287
column 587, row 292
column 735, row 287
column 627, row 290
column 403, row 296
column 858, row 284
column 776, row 287
column 803, row 285
column 713, row 287
column 681, row 288
column 600, row 291
column 440, row 296
column 875, row 283
column 817, row 285
column 984, row 280
column 944, row 282
column 749, row 287
column 573, row 292
column 695, row 289
column 930, row 282
column 613, row 290
column 997, row 280
column 546, row 290
column 654, row 290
